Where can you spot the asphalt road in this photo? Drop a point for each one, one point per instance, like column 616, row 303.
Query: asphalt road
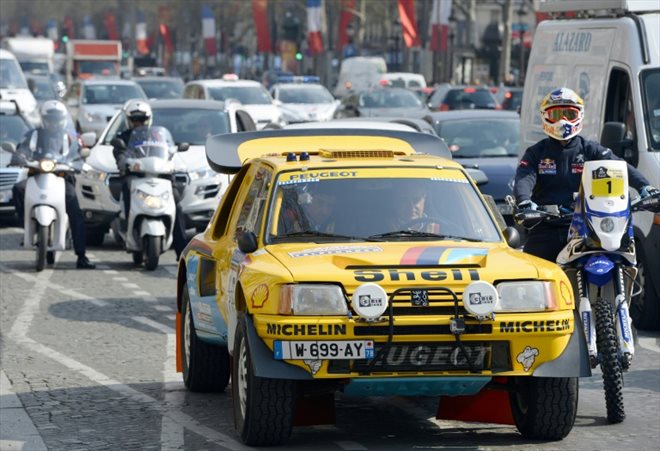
column 87, row 363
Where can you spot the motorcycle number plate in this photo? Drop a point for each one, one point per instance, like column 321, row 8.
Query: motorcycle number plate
column 609, row 187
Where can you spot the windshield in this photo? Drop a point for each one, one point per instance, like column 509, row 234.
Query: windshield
column 106, row 68
column 166, row 89
column 111, row 94
column 56, row 145
column 470, row 98
column 362, row 203
column 151, row 142
column 247, row 95
column 11, row 76
column 35, row 67
column 310, row 94
column 390, row 98
column 12, row 129
column 651, row 93
column 43, row 90
column 192, row 126
column 478, row 138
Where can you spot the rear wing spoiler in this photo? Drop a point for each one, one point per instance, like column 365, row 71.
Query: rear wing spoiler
column 228, row 152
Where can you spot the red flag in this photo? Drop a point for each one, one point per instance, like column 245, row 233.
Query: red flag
column 166, row 36
column 111, row 26
column 440, row 25
column 408, row 23
column 260, row 13
column 345, row 18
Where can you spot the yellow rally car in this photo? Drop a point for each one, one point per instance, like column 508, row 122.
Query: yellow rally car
column 354, row 261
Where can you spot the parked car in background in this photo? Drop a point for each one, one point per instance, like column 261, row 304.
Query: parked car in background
column 359, row 73
column 404, row 80
column 381, row 102
column 486, row 140
column 13, row 86
column 513, row 99
column 251, row 94
column 161, row 87
column 98, row 187
column 13, row 127
column 303, row 101
column 93, row 103
column 449, row 97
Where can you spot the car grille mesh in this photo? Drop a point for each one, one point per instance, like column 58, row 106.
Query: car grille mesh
column 7, row 180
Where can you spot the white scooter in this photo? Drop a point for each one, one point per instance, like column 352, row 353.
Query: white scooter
column 150, row 221
column 45, row 219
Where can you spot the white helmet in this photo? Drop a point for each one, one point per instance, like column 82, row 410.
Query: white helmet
column 562, row 111
column 138, row 113
column 53, row 115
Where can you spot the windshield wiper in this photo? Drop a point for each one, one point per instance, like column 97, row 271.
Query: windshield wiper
column 317, row 234
column 417, row 233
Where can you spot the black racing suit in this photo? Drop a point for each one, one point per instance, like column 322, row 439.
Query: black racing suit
column 179, row 232
column 549, row 174
column 73, row 211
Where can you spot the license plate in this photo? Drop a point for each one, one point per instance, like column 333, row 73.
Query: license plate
column 332, row 350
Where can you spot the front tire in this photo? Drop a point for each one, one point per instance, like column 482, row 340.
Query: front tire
column 42, row 246
column 610, row 362
column 263, row 408
column 205, row 366
column 152, row 251
column 544, row 408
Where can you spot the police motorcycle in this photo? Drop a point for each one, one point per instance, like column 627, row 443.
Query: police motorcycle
column 150, row 221
column 600, row 260
column 54, row 156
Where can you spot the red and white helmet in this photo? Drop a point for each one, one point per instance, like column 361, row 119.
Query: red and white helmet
column 562, row 111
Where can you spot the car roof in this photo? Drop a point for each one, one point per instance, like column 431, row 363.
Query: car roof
column 108, row 81
column 299, row 85
column 188, row 103
column 227, row 153
column 366, row 123
column 157, row 78
column 9, row 108
column 223, row 83
column 438, row 116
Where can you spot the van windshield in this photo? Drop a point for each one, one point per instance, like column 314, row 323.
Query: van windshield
column 650, row 82
column 11, row 75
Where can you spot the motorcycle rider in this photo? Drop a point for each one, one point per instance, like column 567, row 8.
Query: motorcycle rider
column 51, row 135
column 550, row 171
column 138, row 113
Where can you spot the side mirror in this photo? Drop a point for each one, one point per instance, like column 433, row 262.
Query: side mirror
column 84, row 152
column 9, row 146
column 247, row 242
column 182, row 147
column 118, row 143
column 88, row 139
column 479, row 176
column 512, row 237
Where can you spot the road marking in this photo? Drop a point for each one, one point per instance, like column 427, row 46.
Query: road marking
column 111, row 271
column 173, row 271
column 171, row 317
column 120, row 279
column 155, row 324
column 131, row 285
column 17, row 431
column 649, row 343
column 142, row 293
column 18, row 334
column 163, row 308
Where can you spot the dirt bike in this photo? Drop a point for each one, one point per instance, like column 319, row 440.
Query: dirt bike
column 600, row 260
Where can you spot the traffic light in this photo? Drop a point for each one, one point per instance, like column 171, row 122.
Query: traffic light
column 65, row 39
column 299, row 56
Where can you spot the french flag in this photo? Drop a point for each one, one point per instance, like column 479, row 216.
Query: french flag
column 89, row 32
column 440, row 25
column 208, row 31
column 141, row 34
column 314, row 26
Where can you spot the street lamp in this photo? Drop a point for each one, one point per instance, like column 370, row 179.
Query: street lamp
column 521, row 12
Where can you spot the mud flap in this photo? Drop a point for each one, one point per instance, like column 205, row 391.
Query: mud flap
column 490, row 405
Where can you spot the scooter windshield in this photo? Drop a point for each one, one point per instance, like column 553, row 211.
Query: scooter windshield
column 51, row 145
column 151, row 142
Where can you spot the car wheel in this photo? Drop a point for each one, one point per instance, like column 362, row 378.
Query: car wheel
column 205, row 366
column 544, row 408
column 263, row 408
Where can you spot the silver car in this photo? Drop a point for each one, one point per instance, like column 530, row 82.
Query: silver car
column 99, row 185
column 93, row 103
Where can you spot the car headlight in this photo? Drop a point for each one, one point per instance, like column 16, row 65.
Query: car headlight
column 202, row 174
column 91, row 173
column 151, row 201
column 525, row 296
column 47, row 165
column 312, row 299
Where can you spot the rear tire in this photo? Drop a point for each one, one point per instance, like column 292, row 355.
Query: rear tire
column 263, row 408
column 544, row 408
column 42, row 246
column 152, row 251
column 610, row 362
column 205, row 366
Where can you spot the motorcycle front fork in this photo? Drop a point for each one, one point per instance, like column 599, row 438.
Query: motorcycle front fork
column 622, row 320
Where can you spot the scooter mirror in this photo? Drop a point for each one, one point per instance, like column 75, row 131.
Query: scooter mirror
column 9, row 147
column 84, row 152
column 182, row 147
column 88, row 139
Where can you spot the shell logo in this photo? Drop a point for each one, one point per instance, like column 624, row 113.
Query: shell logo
column 259, row 296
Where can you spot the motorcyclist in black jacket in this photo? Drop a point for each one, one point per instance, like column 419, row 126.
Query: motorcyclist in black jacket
column 550, row 171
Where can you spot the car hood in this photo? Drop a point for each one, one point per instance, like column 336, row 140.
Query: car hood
column 261, row 113
column 194, row 159
column 391, row 112
column 104, row 109
column 437, row 263
column 499, row 170
column 309, row 111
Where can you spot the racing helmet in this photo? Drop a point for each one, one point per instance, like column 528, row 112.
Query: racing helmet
column 138, row 113
column 562, row 111
column 53, row 115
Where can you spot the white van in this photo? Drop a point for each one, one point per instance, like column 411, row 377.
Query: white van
column 35, row 55
column 610, row 56
column 404, row 80
column 359, row 73
column 13, row 86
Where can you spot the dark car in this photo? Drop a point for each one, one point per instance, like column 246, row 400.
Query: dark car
column 486, row 140
column 446, row 97
column 380, row 102
column 161, row 87
column 512, row 99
